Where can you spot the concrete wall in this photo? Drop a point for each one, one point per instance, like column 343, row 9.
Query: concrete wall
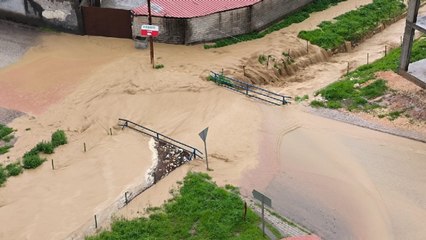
column 172, row 30
column 223, row 24
column 56, row 13
column 267, row 12
column 219, row 25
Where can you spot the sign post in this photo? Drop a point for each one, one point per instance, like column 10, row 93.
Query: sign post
column 151, row 40
column 203, row 136
column 265, row 201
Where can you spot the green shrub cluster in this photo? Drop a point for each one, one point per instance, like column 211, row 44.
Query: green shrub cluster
column 3, row 175
column 32, row 159
column 354, row 25
column 12, row 169
column 59, row 138
column 296, row 17
column 202, row 210
column 4, row 131
column 354, row 91
column 5, row 136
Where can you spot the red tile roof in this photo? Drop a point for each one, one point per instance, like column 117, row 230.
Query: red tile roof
column 190, row 8
column 309, row 237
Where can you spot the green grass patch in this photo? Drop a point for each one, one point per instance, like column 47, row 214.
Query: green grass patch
column 296, row 17
column 354, row 25
column 59, row 138
column 301, row 99
column 159, row 66
column 201, row 210
column 356, row 89
column 14, row 169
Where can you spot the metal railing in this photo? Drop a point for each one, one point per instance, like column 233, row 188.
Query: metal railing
column 139, row 128
column 250, row 90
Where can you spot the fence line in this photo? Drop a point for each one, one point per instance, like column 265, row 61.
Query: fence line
column 139, row 128
column 247, row 88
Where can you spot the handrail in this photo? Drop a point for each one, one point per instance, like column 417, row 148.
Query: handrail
column 246, row 88
column 194, row 151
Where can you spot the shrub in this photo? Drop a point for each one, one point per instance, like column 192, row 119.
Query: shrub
column 59, row 138
column 45, row 147
column 4, row 131
column 4, row 149
column 32, row 161
column 14, row 169
column 3, row 175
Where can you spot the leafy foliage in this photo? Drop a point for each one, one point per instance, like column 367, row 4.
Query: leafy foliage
column 3, row 175
column 296, row 17
column 357, row 88
column 354, row 25
column 32, row 161
column 14, row 169
column 201, row 211
column 59, row 138
column 4, row 131
column 45, row 147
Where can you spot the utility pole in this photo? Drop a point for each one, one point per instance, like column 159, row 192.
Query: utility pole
column 151, row 39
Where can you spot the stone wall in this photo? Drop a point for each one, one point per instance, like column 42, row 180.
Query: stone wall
column 63, row 14
column 222, row 24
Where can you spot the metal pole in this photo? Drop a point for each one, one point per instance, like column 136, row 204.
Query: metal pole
column 205, row 150
column 263, row 217
column 151, row 40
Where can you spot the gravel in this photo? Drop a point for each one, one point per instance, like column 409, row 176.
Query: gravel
column 15, row 40
column 7, row 115
column 354, row 120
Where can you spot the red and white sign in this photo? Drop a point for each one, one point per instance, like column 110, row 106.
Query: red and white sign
column 150, row 30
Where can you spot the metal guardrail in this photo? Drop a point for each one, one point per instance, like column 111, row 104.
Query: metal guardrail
column 250, row 90
column 139, row 128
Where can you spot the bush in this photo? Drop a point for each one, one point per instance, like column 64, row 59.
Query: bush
column 14, row 169
column 3, row 175
column 59, row 138
column 4, row 131
column 45, row 147
column 4, row 149
column 32, row 161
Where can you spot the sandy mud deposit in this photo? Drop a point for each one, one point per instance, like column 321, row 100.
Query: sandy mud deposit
column 341, row 181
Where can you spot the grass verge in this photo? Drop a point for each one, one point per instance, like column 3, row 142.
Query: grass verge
column 201, row 210
column 356, row 90
column 296, row 17
column 353, row 26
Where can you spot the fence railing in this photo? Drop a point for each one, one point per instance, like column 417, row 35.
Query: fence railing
column 250, row 90
column 139, row 128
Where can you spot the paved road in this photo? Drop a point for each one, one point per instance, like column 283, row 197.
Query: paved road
column 15, row 40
